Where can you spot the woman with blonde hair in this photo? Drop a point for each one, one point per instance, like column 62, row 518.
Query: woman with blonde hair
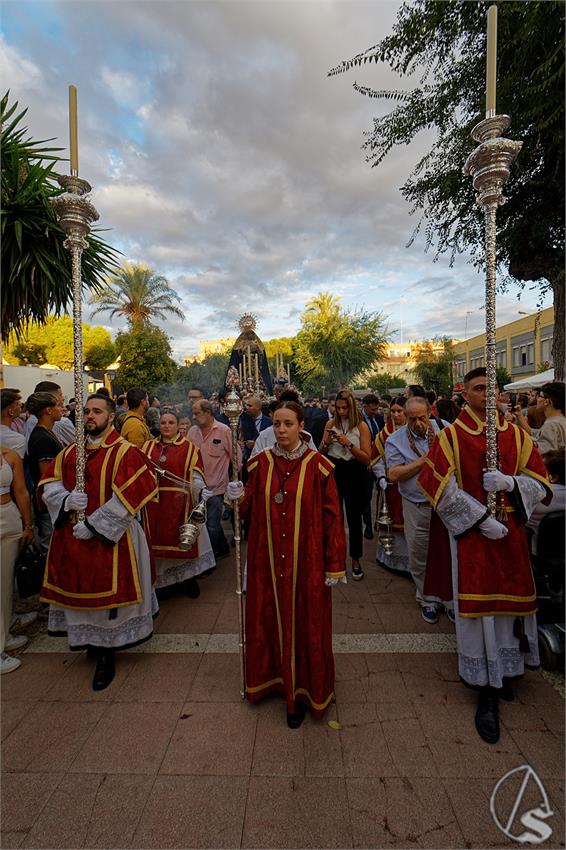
column 347, row 442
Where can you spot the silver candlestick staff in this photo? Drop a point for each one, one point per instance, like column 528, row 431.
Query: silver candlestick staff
column 489, row 167
column 233, row 409
column 76, row 213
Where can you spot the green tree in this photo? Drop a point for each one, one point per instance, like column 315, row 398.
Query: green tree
column 36, row 268
column 208, row 374
column 502, row 377
column 284, row 345
column 434, row 367
column 382, row 382
column 29, row 353
column 145, row 358
column 52, row 342
column 443, row 46
column 138, row 294
column 333, row 344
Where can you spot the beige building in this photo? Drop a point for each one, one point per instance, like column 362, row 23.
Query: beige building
column 523, row 347
column 400, row 359
column 211, row 346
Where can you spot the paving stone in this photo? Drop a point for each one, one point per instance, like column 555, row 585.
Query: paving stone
column 63, row 821
column 402, row 812
column 38, row 675
column 399, row 618
column 188, row 616
column 322, row 747
column 118, row 806
column 356, row 618
column 456, row 747
column 49, row 738
column 159, row 678
column 296, row 812
column 278, row 750
column 228, row 619
column 364, row 748
column 193, row 811
column 409, row 748
column 130, row 738
column 212, row 739
column 217, row 679
column 471, row 799
column 10, row 840
column 13, row 713
column 76, row 684
column 542, row 750
column 23, row 797
column 533, row 689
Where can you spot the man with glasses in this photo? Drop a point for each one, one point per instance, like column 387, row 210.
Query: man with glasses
column 484, row 559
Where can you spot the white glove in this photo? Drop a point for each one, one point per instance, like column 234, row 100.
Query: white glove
column 205, row 494
column 383, row 483
column 81, row 532
column 76, row 501
column 331, row 582
column 493, row 529
column 496, row 480
column 235, row 490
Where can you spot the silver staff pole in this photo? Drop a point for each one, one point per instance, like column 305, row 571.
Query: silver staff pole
column 233, row 409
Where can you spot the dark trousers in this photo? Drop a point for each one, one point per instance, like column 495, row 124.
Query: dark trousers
column 214, row 511
column 351, row 480
column 370, row 480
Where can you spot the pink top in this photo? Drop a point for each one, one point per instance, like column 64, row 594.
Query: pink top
column 216, row 449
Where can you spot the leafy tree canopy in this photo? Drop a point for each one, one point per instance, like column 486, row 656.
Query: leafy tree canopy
column 382, row 382
column 145, row 358
column 52, row 342
column 434, row 368
column 333, row 344
column 441, row 46
column 36, row 268
column 207, row 374
column 138, row 294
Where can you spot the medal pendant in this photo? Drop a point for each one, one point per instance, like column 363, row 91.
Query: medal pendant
column 279, row 498
column 163, row 458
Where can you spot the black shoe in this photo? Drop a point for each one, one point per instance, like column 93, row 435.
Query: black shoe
column 163, row 593
column 506, row 691
column 296, row 719
column 92, row 652
column 487, row 716
column 368, row 533
column 191, row 588
column 105, row 670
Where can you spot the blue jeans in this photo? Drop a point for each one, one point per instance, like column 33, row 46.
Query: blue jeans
column 214, row 510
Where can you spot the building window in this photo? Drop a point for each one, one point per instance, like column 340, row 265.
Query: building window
column 546, row 350
column 524, row 355
column 501, row 358
column 531, row 353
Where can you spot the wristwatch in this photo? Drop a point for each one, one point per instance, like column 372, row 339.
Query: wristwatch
column 351, row 446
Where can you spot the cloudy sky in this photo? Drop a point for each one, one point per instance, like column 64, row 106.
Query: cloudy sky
column 222, row 155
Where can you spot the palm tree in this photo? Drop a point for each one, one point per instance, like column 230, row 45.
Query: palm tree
column 137, row 293
column 36, row 268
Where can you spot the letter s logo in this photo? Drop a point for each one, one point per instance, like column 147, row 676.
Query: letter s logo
column 540, row 830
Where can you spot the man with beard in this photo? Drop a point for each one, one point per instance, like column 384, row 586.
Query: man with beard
column 98, row 576
column 406, row 451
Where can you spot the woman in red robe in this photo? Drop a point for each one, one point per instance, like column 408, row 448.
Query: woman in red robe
column 170, row 510
column 296, row 552
column 398, row 560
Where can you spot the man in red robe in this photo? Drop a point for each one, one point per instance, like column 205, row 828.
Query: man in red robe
column 484, row 559
column 98, row 574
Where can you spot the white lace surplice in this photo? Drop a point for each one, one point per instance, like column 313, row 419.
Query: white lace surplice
column 487, row 647
column 132, row 624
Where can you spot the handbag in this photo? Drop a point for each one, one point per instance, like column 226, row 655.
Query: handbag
column 29, row 569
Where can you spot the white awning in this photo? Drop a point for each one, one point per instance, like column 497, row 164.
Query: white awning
column 531, row 383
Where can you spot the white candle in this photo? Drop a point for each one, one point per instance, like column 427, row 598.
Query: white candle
column 491, row 71
column 73, row 130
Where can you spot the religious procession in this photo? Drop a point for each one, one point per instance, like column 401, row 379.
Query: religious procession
column 320, row 558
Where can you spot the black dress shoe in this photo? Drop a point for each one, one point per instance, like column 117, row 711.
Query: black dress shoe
column 368, row 533
column 506, row 691
column 105, row 670
column 191, row 588
column 487, row 716
column 295, row 720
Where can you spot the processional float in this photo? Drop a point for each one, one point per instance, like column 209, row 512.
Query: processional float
column 489, row 167
column 76, row 213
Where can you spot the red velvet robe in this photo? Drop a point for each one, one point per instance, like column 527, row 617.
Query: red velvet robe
column 170, row 509
column 494, row 576
column 89, row 574
column 292, row 548
column 392, row 495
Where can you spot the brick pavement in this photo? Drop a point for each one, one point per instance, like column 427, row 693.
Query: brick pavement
column 169, row 756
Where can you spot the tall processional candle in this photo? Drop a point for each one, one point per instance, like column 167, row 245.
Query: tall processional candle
column 73, row 131
column 491, row 68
